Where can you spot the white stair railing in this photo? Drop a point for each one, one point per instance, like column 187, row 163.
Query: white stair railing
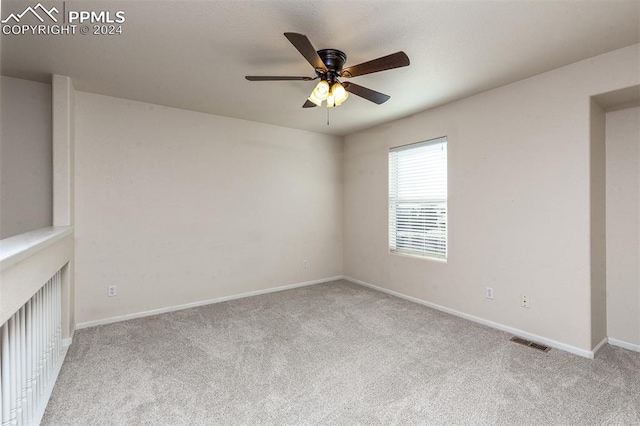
column 31, row 345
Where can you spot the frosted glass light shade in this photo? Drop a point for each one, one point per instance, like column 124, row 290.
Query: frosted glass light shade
column 322, row 90
column 313, row 98
column 339, row 93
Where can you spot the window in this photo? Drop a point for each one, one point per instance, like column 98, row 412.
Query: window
column 418, row 199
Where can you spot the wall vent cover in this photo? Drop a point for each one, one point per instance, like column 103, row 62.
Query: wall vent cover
column 531, row 344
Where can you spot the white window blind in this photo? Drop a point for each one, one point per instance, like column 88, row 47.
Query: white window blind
column 418, row 199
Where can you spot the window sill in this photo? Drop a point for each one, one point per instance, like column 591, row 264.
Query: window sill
column 418, row 256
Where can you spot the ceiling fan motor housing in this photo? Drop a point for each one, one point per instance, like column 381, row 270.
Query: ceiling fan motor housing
column 334, row 60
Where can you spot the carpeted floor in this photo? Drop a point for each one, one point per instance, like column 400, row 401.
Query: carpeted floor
column 334, row 353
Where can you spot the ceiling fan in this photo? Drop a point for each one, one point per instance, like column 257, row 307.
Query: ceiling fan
column 328, row 65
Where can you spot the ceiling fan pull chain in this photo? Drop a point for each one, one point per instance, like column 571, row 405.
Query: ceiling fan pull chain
column 327, row 116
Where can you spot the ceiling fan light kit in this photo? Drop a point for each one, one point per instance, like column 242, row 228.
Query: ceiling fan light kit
column 328, row 65
column 334, row 95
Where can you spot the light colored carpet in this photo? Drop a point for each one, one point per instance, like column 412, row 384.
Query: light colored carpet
column 334, row 353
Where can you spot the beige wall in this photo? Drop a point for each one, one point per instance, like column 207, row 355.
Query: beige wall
column 623, row 225
column 25, row 156
column 598, row 224
column 63, row 148
column 174, row 206
column 519, row 201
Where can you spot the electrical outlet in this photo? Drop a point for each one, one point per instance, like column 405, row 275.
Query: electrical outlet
column 112, row 291
column 304, row 264
column 524, row 302
column 489, row 293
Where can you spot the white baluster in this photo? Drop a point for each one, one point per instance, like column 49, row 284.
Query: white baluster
column 2, row 372
column 19, row 368
column 40, row 345
column 34, row 350
column 22, row 344
column 27, row 359
column 59, row 313
column 51, row 328
column 6, row 393
column 45, row 337
column 12, row 370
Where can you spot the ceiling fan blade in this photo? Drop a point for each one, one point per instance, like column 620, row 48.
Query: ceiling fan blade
column 368, row 94
column 275, row 78
column 308, row 104
column 304, row 46
column 395, row 60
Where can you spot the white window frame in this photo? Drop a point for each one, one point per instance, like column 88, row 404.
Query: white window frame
column 432, row 242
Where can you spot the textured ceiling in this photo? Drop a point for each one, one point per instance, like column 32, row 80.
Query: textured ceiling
column 195, row 54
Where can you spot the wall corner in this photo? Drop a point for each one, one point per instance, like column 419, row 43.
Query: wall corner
column 63, row 146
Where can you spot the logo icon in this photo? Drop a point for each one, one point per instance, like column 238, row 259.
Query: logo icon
column 33, row 11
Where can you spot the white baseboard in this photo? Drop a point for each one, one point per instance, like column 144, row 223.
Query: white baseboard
column 201, row 303
column 599, row 346
column 623, row 344
column 492, row 324
column 67, row 342
column 37, row 417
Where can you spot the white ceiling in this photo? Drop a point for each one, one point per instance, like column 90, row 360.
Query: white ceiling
column 195, row 54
